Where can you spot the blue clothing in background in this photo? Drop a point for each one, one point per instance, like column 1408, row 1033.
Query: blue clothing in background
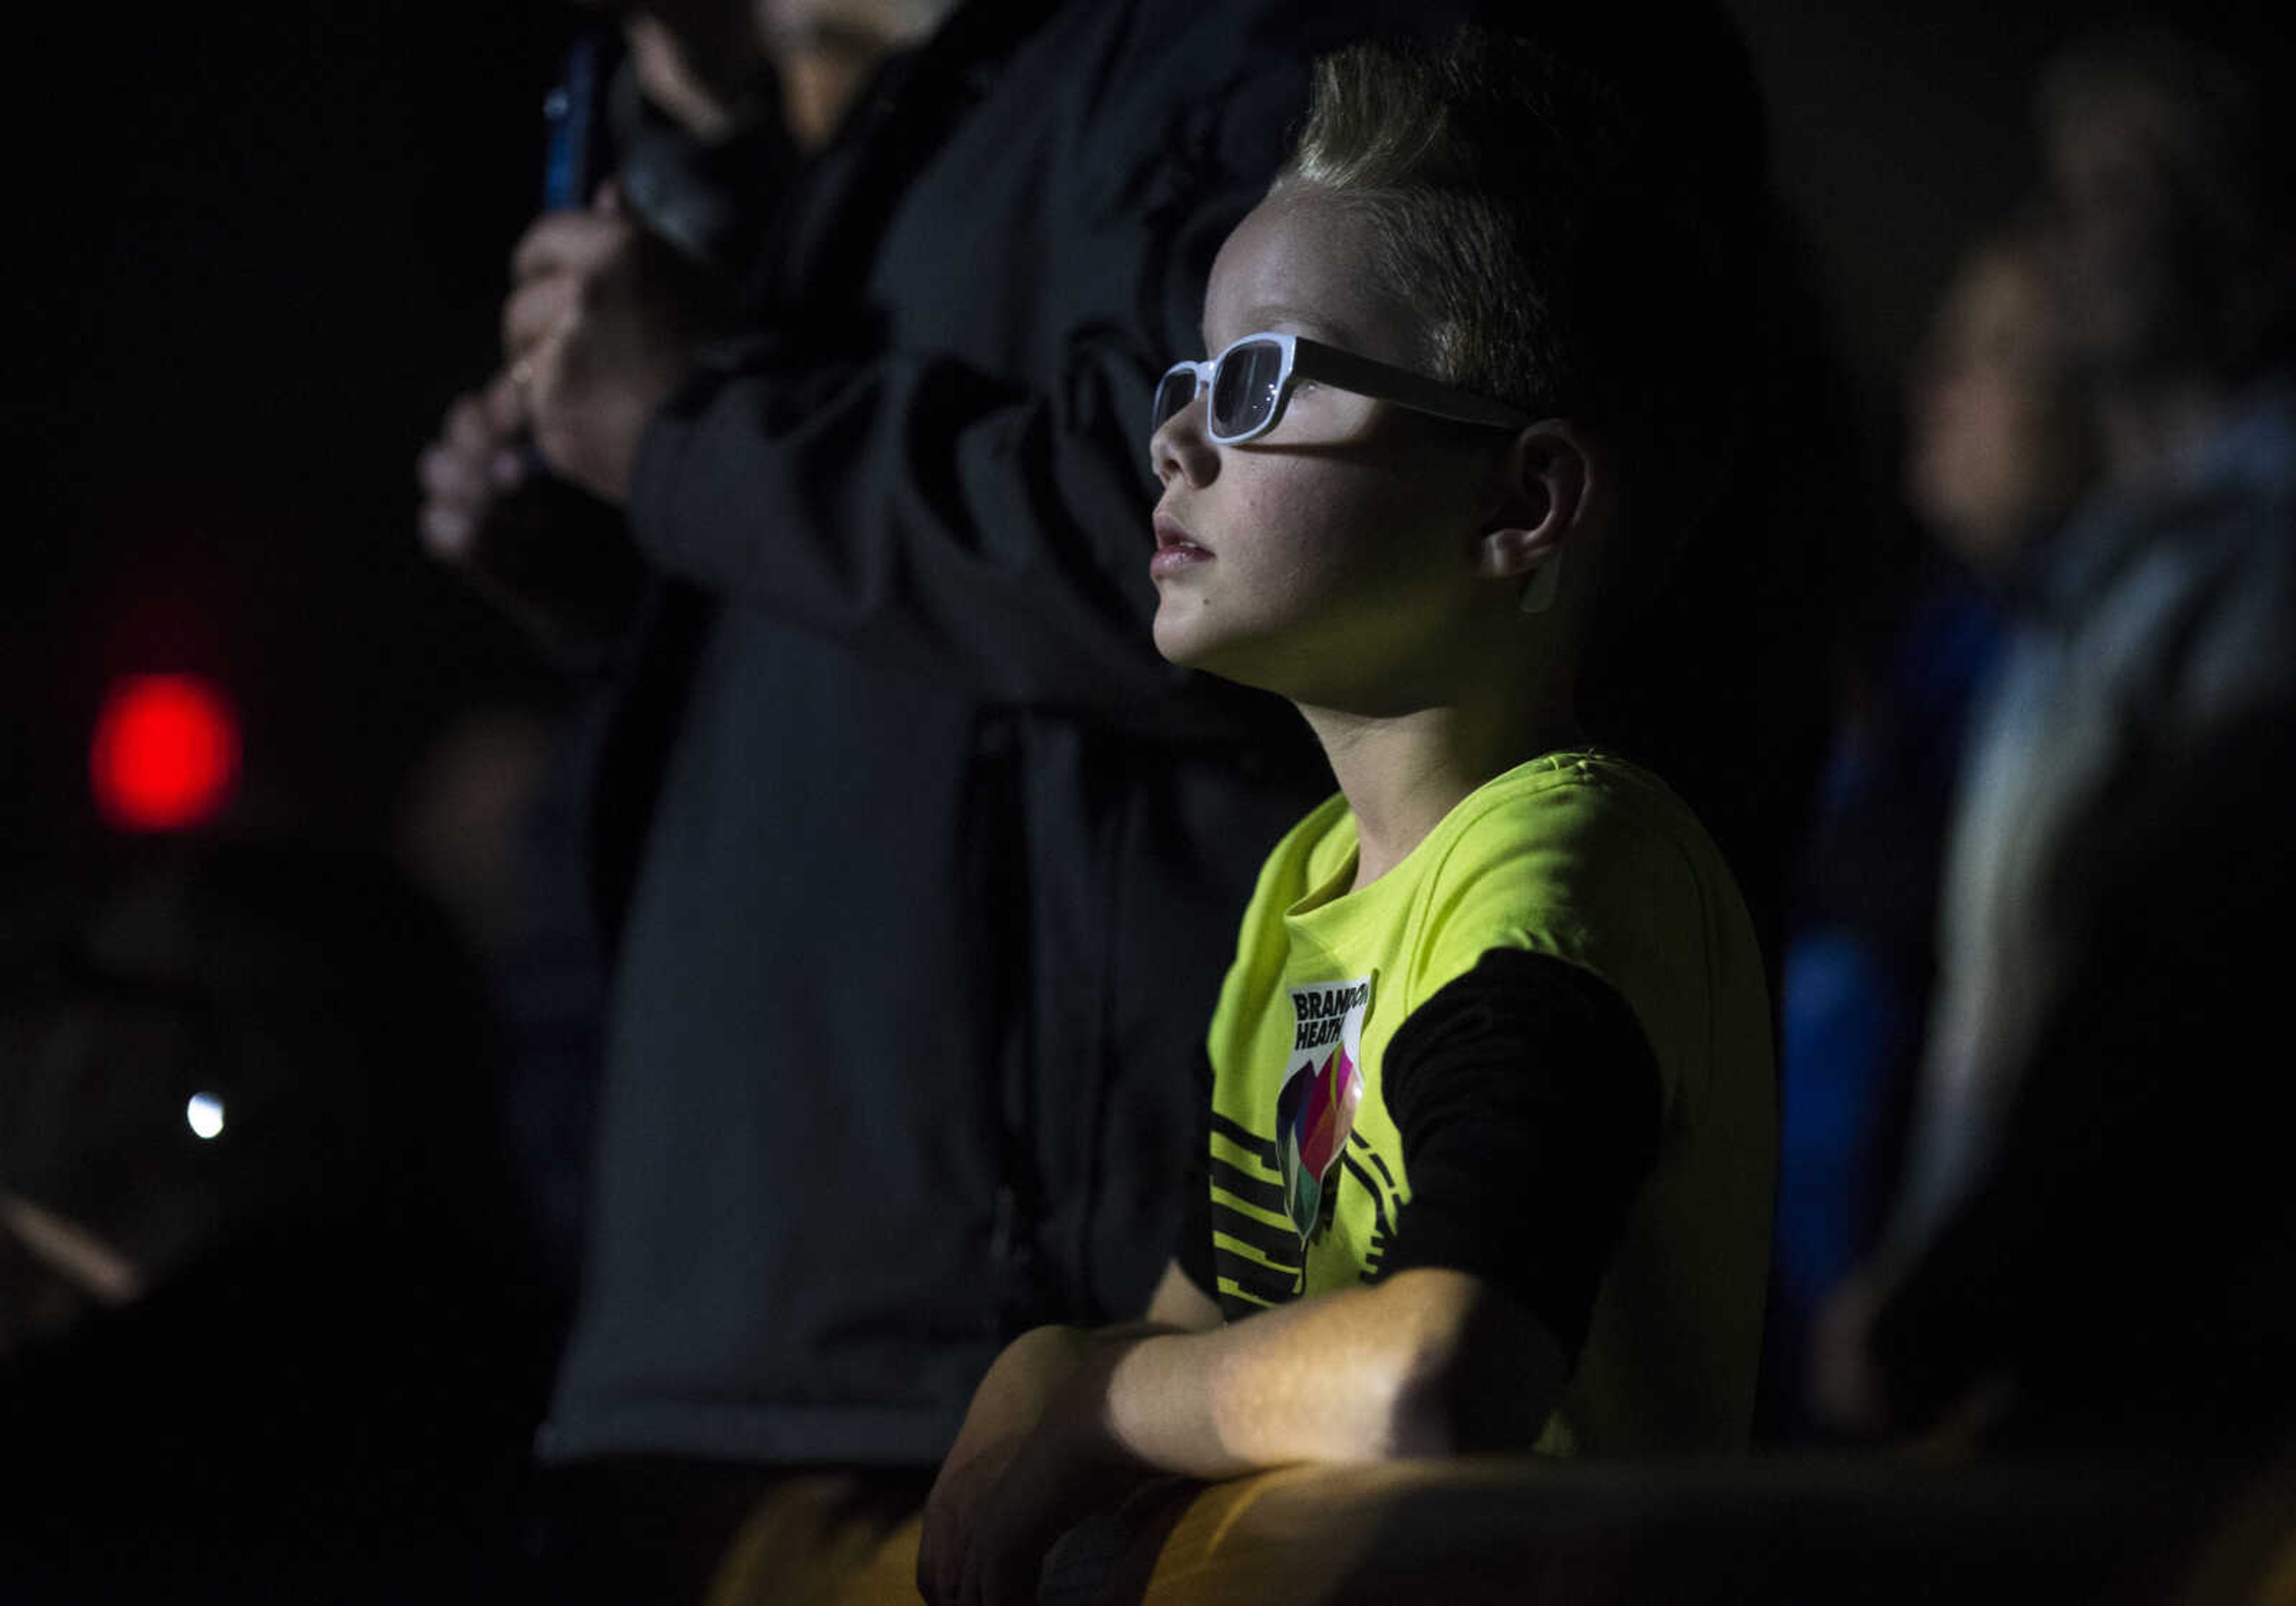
column 1860, row 952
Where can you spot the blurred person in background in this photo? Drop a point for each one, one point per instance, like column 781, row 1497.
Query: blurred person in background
column 1998, row 447
column 2116, row 826
column 702, row 113
column 2002, row 445
column 262, row 1325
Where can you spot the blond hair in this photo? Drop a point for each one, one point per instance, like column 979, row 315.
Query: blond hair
column 1558, row 253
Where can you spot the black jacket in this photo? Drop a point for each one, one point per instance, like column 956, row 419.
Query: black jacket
column 922, row 866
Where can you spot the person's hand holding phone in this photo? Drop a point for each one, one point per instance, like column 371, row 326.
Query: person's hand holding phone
column 601, row 327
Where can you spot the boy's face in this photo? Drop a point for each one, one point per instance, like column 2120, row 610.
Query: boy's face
column 1331, row 560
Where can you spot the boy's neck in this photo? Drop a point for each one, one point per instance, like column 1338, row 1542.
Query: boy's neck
column 1402, row 773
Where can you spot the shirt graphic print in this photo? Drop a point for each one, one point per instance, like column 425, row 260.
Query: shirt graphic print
column 1321, row 1087
column 1273, row 1188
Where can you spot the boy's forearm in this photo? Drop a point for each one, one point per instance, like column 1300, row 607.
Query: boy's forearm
column 1362, row 1374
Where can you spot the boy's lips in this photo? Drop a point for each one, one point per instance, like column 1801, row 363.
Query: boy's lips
column 1175, row 548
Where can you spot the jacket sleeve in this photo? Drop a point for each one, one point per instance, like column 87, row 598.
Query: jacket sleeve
column 985, row 527
column 921, row 509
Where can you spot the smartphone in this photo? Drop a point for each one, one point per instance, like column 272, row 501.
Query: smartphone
column 574, row 153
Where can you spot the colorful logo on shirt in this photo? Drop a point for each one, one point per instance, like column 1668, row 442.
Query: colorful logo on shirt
column 1322, row 1085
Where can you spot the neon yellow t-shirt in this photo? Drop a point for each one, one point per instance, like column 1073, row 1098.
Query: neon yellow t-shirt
column 1588, row 859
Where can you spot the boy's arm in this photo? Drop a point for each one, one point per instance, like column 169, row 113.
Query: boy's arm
column 1529, row 1102
column 1423, row 1363
column 1022, row 1405
column 1426, row 1362
column 1180, row 1301
column 1530, row 1105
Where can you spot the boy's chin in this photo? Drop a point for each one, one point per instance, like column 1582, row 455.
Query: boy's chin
column 1183, row 641
column 1229, row 662
column 1175, row 640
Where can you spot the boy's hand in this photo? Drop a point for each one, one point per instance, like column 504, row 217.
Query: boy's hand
column 1033, row 1457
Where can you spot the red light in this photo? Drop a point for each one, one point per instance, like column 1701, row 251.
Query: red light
column 166, row 753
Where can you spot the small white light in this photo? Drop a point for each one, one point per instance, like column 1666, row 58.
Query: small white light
column 205, row 1114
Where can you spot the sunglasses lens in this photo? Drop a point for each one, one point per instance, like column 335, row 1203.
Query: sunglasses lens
column 1174, row 393
column 1243, row 390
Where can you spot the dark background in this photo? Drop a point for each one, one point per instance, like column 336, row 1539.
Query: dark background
column 265, row 247
column 260, row 249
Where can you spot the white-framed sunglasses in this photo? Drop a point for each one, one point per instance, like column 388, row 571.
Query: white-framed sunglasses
column 1252, row 378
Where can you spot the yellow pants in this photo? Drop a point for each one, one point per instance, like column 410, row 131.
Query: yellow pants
column 821, row 1539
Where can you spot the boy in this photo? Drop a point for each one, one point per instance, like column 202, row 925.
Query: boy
column 1492, row 1136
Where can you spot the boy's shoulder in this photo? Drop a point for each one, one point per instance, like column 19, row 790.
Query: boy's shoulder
column 1566, row 807
column 1590, row 859
column 1579, row 810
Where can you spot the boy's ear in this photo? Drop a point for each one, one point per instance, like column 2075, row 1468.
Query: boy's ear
column 1545, row 496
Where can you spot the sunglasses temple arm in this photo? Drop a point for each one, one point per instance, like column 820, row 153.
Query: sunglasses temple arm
column 1367, row 377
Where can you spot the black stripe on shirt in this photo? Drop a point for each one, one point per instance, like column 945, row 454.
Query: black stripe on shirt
column 1235, row 1181
column 1278, row 1245
column 1262, row 1284
column 1245, row 1138
column 1378, row 1209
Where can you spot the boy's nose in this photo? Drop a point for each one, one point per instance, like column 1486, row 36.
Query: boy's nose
column 1179, row 447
